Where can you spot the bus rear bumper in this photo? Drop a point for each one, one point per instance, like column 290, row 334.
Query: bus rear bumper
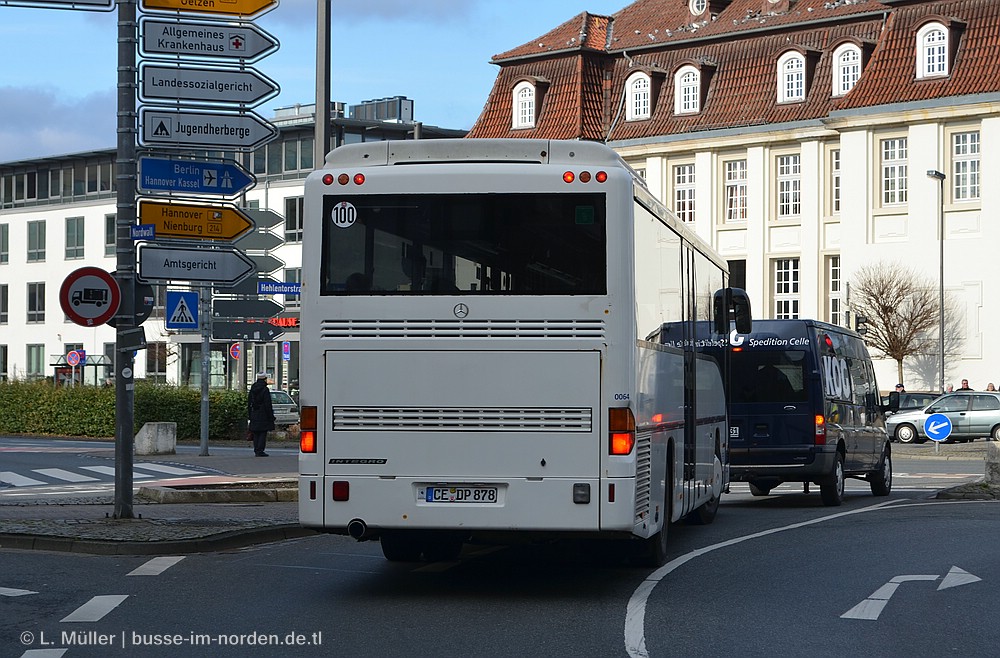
column 383, row 503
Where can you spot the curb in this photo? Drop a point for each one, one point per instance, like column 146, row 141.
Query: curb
column 219, row 542
column 170, row 495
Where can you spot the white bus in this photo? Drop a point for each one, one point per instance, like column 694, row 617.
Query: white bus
column 503, row 337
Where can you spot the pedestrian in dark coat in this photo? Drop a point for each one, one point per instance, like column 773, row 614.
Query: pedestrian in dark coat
column 261, row 413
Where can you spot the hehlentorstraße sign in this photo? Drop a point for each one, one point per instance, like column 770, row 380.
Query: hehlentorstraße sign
column 247, row 86
column 179, row 128
column 205, row 39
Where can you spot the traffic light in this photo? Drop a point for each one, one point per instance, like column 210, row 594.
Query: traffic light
column 860, row 324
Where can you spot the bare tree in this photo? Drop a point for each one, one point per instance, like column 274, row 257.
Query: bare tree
column 902, row 311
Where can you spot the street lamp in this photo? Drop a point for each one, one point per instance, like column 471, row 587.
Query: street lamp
column 939, row 177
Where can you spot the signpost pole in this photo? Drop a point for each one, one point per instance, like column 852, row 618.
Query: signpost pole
column 206, row 361
column 125, row 258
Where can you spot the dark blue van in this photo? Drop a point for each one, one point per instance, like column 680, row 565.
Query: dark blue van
column 804, row 406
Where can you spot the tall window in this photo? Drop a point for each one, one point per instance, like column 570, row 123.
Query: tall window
column 156, row 362
column 293, row 275
column 791, row 78
column 110, row 234
column 3, row 363
column 36, row 303
column 835, row 182
column 965, row 166
column 834, row 289
column 4, row 243
column 36, row 241
column 847, row 68
column 4, row 303
column 74, row 238
column 524, row 105
column 789, row 186
column 687, row 91
column 894, row 171
column 932, row 51
column 293, row 219
column 35, row 361
column 638, row 94
column 786, row 288
column 684, row 192
column 736, row 190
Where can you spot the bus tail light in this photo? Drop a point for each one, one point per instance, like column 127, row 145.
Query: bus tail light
column 820, row 430
column 621, row 431
column 341, row 490
column 307, row 425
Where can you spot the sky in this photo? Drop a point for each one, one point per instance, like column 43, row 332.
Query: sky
column 59, row 73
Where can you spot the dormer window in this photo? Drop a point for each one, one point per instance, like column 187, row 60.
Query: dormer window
column 846, row 68
column 697, row 7
column 791, row 77
column 932, row 51
column 640, row 100
column 687, row 90
column 524, row 105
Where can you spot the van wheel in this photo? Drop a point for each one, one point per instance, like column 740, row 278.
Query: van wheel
column 759, row 491
column 881, row 480
column 906, row 434
column 832, row 492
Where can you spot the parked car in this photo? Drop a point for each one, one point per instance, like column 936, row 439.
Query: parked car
column 286, row 412
column 972, row 414
column 914, row 400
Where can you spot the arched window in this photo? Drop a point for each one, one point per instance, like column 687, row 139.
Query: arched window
column 687, row 90
column 638, row 97
column 697, row 7
column 932, row 51
column 524, row 105
column 846, row 68
column 791, row 78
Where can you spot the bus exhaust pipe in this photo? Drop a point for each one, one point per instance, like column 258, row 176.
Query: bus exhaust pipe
column 358, row 529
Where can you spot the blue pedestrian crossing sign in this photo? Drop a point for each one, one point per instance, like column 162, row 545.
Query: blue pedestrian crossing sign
column 182, row 309
column 937, row 427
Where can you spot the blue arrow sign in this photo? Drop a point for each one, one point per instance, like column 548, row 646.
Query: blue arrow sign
column 221, row 178
column 937, row 427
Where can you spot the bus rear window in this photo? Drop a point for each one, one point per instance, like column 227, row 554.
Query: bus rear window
column 440, row 244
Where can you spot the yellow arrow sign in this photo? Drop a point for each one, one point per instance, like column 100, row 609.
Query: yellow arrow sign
column 227, row 7
column 189, row 220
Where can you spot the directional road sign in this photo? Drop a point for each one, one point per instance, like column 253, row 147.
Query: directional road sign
column 181, row 311
column 227, row 130
column 243, row 8
column 223, row 178
column 245, row 308
column 937, row 427
column 211, row 40
column 90, row 296
column 290, row 288
column 252, row 331
column 158, row 263
column 200, row 84
column 247, row 286
column 260, row 241
column 194, row 221
column 266, row 263
column 84, row 5
column 264, row 218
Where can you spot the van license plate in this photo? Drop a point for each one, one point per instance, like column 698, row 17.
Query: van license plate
column 461, row 495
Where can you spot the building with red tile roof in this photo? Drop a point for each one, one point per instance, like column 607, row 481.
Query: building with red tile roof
column 797, row 137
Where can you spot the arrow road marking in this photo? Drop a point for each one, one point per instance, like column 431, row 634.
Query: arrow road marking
column 7, row 591
column 872, row 607
column 934, row 428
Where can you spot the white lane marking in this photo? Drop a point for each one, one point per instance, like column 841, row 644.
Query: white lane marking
column 96, row 608
column 110, row 470
column 18, row 480
column 956, row 577
column 635, row 614
column 872, row 607
column 60, row 474
column 156, row 566
column 8, row 591
column 163, row 468
column 43, row 653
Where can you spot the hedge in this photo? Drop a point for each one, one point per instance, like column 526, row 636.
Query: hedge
column 89, row 411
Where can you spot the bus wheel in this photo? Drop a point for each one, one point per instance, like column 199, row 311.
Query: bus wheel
column 400, row 546
column 705, row 513
column 880, row 481
column 653, row 551
column 832, row 490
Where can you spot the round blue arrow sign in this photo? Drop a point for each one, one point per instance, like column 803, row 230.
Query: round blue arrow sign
column 937, row 427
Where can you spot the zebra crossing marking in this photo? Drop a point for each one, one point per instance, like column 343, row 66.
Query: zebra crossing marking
column 62, row 474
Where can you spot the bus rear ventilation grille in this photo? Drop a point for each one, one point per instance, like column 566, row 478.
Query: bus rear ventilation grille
column 593, row 329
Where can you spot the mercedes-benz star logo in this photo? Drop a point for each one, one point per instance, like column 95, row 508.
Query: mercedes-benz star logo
column 461, row 310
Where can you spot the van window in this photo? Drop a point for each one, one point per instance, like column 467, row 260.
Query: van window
column 769, row 376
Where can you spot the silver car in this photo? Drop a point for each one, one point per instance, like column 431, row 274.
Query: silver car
column 286, row 412
column 972, row 414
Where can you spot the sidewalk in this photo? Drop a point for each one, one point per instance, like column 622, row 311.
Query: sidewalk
column 185, row 524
